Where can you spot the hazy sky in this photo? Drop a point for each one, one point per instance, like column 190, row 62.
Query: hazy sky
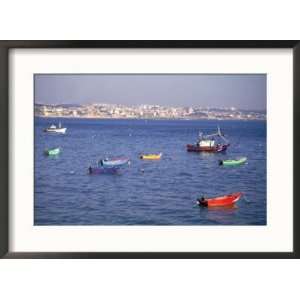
column 241, row 91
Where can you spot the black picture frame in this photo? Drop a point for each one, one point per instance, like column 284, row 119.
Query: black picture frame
column 6, row 46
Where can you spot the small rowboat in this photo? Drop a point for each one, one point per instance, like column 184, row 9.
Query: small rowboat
column 98, row 170
column 220, row 201
column 114, row 162
column 51, row 152
column 151, row 156
column 233, row 162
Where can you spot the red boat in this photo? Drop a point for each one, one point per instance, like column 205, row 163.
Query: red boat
column 207, row 143
column 198, row 148
column 220, row 201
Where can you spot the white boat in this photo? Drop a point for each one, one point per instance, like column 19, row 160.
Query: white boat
column 55, row 129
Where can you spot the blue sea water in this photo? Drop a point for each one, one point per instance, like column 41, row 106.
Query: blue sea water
column 165, row 192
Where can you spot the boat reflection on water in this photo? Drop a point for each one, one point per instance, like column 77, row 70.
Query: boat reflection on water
column 209, row 154
column 222, row 208
column 219, row 215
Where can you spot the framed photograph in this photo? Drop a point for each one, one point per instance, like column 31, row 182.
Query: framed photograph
column 149, row 149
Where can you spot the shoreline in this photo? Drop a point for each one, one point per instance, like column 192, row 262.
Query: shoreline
column 148, row 119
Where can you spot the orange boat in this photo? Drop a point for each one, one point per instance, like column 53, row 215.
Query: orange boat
column 220, row 201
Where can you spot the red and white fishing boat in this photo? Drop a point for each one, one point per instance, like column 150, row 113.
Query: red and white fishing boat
column 207, row 143
column 220, row 201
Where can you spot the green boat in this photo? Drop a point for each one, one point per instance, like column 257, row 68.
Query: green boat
column 53, row 151
column 233, row 162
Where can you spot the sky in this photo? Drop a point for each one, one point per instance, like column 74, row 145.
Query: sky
column 243, row 91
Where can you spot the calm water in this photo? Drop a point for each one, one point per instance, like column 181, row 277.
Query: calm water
column 165, row 193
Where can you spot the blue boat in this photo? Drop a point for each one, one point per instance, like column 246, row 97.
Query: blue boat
column 114, row 162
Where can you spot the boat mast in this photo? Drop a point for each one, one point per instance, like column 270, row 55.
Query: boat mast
column 218, row 133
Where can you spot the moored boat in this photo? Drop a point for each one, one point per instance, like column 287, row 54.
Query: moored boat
column 114, row 162
column 220, row 201
column 233, row 162
column 200, row 148
column 151, row 156
column 54, row 129
column 207, row 143
column 53, row 151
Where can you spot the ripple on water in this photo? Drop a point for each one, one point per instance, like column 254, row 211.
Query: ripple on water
column 147, row 192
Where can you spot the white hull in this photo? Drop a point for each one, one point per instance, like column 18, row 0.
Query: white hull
column 56, row 130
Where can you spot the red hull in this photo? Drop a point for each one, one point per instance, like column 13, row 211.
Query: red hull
column 220, row 201
column 196, row 148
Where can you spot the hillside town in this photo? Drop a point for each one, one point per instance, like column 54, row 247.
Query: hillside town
column 116, row 111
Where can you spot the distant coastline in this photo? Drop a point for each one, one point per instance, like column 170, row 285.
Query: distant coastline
column 145, row 119
column 144, row 112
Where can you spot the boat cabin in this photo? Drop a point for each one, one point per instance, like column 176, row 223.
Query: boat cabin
column 206, row 143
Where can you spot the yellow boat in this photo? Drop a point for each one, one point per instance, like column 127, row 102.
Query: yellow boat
column 151, row 156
